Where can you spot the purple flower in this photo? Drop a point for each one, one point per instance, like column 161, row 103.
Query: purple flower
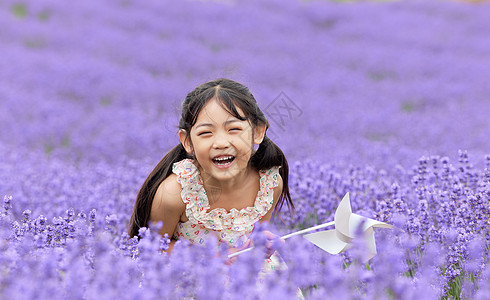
column 90, row 99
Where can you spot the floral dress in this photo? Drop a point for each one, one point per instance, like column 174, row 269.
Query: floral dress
column 232, row 227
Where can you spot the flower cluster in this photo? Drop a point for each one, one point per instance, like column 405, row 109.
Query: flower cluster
column 384, row 97
column 439, row 247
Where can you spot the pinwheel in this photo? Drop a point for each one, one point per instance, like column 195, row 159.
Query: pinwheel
column 339, row 239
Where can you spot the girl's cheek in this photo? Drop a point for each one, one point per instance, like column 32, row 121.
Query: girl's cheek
column 245, row 138
column 203, row 142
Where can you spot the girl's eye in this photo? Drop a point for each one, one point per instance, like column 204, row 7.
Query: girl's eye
column 236, row 129
column 204, row 132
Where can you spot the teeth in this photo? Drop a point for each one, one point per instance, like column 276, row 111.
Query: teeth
column 223, row 158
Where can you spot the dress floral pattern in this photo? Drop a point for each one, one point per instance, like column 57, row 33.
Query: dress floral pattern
column 232, row 227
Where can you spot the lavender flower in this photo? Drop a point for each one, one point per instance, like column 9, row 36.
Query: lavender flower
column 90, row 96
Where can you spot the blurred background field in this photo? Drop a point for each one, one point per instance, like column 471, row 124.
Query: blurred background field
column 356, row 93
column 382, row 83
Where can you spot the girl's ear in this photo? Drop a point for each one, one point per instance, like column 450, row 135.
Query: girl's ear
column 185, row 139
column 259, row 133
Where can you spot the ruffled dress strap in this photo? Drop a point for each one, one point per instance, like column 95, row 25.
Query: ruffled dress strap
column 197, row 205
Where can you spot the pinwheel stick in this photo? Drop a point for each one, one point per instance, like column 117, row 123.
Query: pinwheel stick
column 300, row 232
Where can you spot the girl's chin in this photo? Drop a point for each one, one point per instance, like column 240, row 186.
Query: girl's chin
column 225, row 172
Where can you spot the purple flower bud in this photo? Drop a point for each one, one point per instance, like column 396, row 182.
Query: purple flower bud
column 7, row 202
column 26, row 216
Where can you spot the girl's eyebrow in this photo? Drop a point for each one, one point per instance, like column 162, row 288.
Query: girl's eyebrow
column 212, row 125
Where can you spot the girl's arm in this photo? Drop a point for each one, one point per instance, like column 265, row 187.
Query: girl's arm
column 168, row 207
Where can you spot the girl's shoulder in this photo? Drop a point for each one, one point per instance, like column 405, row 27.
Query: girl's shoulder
column 271, row 177
column 279, row 182
column 184, row 170
column 168, row 194
column 170, row 185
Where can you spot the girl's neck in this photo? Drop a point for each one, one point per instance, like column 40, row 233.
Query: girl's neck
column 228, row 186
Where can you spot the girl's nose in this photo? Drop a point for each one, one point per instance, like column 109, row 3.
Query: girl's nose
column 221, row 141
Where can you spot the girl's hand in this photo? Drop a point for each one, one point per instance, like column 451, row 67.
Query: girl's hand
column 230, row 261
column 271, row 239
column 270, row 245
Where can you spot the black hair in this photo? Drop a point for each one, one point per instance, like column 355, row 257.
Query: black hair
column 230, row 95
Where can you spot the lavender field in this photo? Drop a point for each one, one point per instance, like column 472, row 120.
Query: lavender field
column 388, row 101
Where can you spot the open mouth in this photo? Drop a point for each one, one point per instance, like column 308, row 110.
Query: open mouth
column 223, row 160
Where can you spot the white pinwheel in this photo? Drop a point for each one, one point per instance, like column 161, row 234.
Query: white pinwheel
column 340, row 238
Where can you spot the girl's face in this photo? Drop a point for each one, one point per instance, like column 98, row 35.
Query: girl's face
column 222, row 144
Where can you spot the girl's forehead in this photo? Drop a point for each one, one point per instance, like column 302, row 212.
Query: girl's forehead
column 215, row 113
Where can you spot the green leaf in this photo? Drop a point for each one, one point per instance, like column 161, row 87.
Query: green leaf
column 19, row 10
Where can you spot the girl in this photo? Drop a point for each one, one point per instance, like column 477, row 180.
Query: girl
column 215, row 182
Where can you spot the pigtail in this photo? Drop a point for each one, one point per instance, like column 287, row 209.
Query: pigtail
column 267, row 156
column 144, row 200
